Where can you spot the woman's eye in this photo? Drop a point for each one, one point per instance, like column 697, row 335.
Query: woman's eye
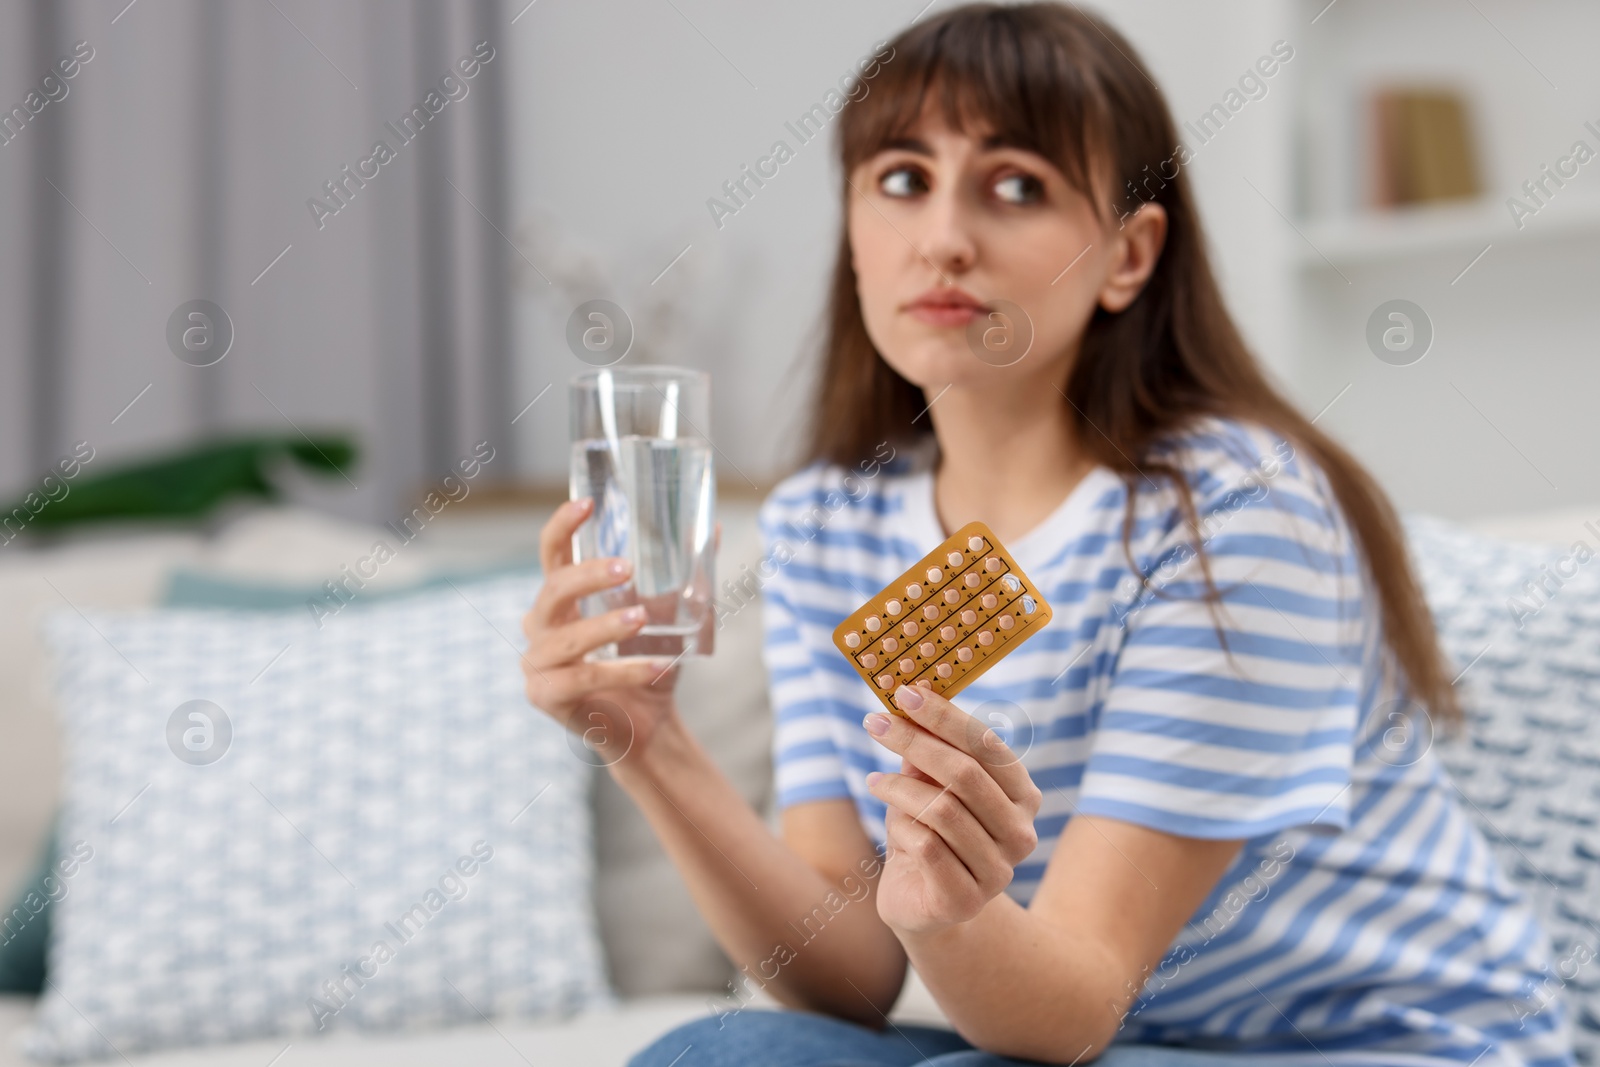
column 1019, row 189
column 903, row 181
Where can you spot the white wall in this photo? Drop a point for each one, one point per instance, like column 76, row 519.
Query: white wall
column 1499, row 416
column 626, row 119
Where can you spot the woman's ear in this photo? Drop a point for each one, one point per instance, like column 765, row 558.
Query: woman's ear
column 1137, row 249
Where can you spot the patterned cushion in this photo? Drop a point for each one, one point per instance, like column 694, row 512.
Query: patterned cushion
column 1528, row 764
column 366, row 827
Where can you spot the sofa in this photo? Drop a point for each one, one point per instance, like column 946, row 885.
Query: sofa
column 660, row 958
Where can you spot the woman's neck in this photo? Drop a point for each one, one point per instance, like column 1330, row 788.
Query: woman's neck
column 1008, row 459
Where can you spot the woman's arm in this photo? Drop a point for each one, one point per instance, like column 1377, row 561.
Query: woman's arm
column 795, row 917
column 1052, row 981
column 798, row 915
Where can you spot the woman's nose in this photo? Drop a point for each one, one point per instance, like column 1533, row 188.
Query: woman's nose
column 948, row 238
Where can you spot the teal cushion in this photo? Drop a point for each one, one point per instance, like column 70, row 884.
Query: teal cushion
column 201, row 589
column 24, row 932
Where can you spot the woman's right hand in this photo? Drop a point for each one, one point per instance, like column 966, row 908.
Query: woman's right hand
column 617, row 705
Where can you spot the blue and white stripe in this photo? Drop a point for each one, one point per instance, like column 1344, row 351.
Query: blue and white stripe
column 1385, row 927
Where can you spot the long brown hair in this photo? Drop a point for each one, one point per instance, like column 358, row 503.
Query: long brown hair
column 1066, row 85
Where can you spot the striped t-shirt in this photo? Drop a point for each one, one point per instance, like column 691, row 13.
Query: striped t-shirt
column 1365, row 916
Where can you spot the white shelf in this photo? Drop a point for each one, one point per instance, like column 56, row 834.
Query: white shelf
column 1406, row 233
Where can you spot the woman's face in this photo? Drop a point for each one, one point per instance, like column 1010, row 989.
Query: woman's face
column 943, row 225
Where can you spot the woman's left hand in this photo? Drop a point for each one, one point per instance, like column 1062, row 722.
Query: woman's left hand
column 960, row 814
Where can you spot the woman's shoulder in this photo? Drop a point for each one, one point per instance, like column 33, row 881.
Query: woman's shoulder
column 1219, row 456
column 1229, row 449
column 822, row 489
column 1235, row 465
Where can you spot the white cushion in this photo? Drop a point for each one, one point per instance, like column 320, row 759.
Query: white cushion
column 119, row 565
column 34, row 582
column 366, row 760
column 655, row 939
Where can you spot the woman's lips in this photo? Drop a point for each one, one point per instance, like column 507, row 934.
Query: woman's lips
column 944, row 314
column 946, row 307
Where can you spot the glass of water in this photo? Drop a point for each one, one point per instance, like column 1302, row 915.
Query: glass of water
column 639, row 450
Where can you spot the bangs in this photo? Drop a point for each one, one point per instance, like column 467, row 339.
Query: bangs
column 988, row 73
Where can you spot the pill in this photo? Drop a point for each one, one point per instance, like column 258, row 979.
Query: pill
column 971, row 579
column 930, row 611
column 885, row 681
column 924, row 683
column 911, row 628
column 954, row 559
column 963, row 653
column 872, row 623
column 992, row 564
column 868, row 660
column 947, row 633
column 913, row 591
column 892, row 607
column 985, row 637
column 988, row 601
column 852, row 639
column 951, row 596
column 907, row 665
column 1004, row 621
column 974, row 544
column 942, row 670
column 969, row 617
column 891, row 645
column 935, row 575
column 926, row 648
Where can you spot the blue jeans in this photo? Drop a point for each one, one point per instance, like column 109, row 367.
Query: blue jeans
column 766, row 1038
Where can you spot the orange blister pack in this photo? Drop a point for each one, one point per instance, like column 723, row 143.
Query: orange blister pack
column 946, row 620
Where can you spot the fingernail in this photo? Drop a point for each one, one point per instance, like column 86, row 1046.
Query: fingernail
column 877, row 724
column 873, row 777
column 907, row 698
column 634, row 614
column 618, row 567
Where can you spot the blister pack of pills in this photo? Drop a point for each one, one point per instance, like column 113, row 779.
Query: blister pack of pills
column 946, row 620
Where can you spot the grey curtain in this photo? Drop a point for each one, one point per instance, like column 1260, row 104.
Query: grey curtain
column 172, row 151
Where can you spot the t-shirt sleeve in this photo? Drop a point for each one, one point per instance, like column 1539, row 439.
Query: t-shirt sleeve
column 1248, row 729
column 807, row 761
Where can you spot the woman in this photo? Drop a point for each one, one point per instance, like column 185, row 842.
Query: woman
column 1213, row 830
